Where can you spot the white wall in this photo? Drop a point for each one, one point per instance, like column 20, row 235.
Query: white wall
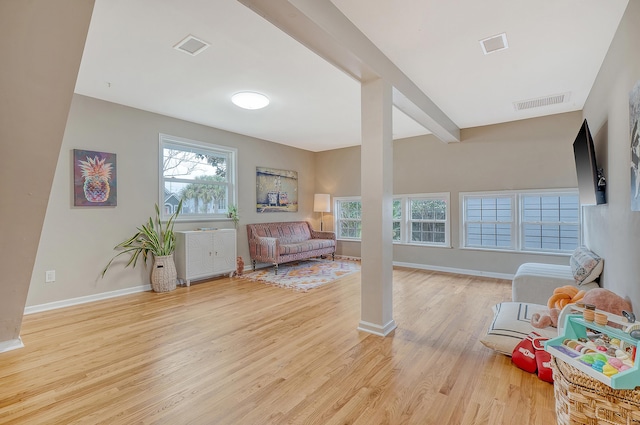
column 77, row 242
column 613, row 230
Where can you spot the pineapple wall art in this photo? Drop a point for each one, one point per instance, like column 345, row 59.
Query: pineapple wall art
column 94, row 178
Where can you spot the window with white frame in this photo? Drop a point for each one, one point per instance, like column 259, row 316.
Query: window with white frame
column 550, row 222
column 202, row 175
column 421, row 219
column 489, row 221
column 348, row 218
column 397, row 220
column 428, row 220
column 543, row 221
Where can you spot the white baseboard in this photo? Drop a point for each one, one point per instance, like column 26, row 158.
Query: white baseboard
column 12, row 344
column 86, row 299
column 441, row 269
column 454, row 270
column 365, row 326
column 379, row 330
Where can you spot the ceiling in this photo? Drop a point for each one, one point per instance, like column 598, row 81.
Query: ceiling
column 555, row 47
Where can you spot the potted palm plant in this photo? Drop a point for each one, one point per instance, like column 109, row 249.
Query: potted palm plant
column 233, row 214
column 153, row 239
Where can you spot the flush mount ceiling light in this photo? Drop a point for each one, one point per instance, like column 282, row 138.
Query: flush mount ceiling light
column 250, row 100
column 494, row 43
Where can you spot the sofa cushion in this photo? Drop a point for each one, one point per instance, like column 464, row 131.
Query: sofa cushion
column 306, row 246
column 286, row 232
column 511, row 323
column 586, row 266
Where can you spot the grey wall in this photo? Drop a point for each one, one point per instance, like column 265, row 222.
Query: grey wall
column 77, row 242
column 41, row 44
column 613, row 230
column 528, row 154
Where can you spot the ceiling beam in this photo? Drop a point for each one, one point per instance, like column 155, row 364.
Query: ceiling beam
column 321, row 27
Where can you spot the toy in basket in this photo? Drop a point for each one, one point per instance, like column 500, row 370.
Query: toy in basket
column 599, row 344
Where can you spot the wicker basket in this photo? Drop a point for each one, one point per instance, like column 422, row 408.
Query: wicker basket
column 164, row 274
column 582, row 400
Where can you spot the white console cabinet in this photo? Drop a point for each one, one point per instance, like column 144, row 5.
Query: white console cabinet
column 204, row 253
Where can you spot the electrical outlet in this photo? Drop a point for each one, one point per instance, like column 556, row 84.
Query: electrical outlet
column 50, row 276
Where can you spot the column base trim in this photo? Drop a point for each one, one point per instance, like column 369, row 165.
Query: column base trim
column 12, row 344
column 375, row 329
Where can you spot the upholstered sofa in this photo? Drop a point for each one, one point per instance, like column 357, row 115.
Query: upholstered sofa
column 278, row 243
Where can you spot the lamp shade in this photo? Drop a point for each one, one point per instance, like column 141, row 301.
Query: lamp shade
column 321, row 202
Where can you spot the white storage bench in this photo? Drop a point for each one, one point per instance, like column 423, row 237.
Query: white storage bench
column 535, row 282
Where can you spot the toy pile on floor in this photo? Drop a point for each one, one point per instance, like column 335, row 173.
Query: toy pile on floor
column 529, row 355
column 601, row 298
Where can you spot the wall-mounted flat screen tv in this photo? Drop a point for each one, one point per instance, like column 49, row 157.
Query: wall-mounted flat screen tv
column 591, row 185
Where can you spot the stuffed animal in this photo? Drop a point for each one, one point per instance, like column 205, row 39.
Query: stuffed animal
column 543, row 320
column 562, row 296
column 240, row 266
column 606, row 300
column 602, row 298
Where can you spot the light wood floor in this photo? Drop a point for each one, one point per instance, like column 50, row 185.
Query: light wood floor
column 230, row 351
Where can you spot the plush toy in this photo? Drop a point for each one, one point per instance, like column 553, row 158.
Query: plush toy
column 240, row 266
column 602, row 298
column 543, row 320
column 565, row 295
column 562, row 296
column 606, row 300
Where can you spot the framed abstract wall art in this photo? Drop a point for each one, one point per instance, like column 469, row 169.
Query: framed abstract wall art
column 276, row 190
column 634, row 123
column 95, row 182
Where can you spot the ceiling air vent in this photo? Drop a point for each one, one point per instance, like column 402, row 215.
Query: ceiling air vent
column 494, row 43
column 191, row 45
column 541, row 101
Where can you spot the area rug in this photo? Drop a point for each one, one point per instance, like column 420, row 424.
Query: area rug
column 305, row 275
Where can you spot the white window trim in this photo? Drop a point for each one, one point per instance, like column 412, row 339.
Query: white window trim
column 463, row 219
column 232, row 167
column 405, row 223
column 336, row 220
column 551, row 192
column 516, row 212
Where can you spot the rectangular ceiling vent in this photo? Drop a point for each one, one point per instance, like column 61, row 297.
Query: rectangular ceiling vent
column 191, row 45
column 495, row 43
column 541, row 101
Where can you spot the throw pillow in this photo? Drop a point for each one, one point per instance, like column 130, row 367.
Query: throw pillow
column 586, row 266
column 511, row 324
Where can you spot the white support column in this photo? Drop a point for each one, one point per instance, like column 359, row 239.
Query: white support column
column 377, row 194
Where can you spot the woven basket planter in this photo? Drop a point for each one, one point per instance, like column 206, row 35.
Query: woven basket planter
column 164, row 275
column 582, row 400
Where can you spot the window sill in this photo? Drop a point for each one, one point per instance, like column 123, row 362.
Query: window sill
column 513, row 251
column 420, row 245
column 448, row 246
column 201, row 219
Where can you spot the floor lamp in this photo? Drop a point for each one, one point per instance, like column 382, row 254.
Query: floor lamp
column 321, row 204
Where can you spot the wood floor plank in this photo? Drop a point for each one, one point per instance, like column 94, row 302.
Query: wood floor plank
column 232, row 351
